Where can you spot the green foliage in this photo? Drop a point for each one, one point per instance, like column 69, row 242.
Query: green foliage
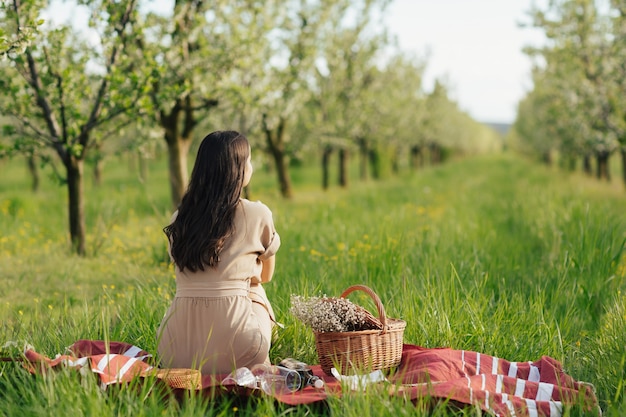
column 577, row 102
column 491, row 254
column 16, row 34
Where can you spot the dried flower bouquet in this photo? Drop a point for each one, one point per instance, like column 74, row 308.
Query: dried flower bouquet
column 332, row 314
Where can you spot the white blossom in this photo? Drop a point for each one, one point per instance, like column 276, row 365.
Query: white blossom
column 330, row 314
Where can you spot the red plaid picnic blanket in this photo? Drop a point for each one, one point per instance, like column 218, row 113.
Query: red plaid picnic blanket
column 114, row 362
column 498, row 386
column 539, row 388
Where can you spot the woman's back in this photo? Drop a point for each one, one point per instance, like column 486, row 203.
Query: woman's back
column 212, row 323
column 253, row 239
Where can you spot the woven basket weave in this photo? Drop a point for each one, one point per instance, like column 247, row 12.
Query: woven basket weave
column 190, row 379
column 365, row 350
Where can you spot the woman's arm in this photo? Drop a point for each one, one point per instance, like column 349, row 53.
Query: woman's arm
column 268, row 269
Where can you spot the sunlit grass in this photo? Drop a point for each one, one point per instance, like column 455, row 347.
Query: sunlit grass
column 493, row 254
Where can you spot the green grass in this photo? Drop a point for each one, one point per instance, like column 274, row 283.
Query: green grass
column 492, row 254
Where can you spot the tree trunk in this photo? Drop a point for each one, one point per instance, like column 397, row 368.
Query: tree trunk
column 280, row 161
column 395, row 160
column 178, row 126
column 374, row 159
column 602, row 172
column 177, row 150
column 363, row 158
column 76, row 204
column 416, row 157
column 34, row 172
column 328, row 150
column 98, row 165
column 587, row 164
column 343, row 167
column 276, row 147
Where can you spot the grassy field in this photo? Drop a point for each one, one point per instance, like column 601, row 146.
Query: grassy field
column 492, row 254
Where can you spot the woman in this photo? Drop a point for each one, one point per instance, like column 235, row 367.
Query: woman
column 223, row 248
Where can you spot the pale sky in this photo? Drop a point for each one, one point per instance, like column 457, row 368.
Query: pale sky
column 475, row 45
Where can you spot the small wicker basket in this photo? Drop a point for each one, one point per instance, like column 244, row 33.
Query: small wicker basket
column 190, row 379
column 365, row 350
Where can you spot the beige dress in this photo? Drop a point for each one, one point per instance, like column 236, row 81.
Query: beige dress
column 213, row 324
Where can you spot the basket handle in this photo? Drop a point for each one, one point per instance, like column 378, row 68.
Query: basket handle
column 379, row 305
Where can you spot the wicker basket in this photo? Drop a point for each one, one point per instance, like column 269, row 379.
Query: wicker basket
column 365, row 350
column 190, row 379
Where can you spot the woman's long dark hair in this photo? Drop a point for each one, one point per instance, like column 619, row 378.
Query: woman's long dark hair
column 207, row 212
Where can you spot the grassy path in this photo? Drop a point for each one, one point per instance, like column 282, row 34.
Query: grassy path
column 492, row 254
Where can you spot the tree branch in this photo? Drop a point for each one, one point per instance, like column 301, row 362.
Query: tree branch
column 116, row 112
column 115, row 128
column 59, row 85
column 25, row 121
column 52, row 141
column 189, row 122
column 206, row 103
column 35, row 83
column 98, row 102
